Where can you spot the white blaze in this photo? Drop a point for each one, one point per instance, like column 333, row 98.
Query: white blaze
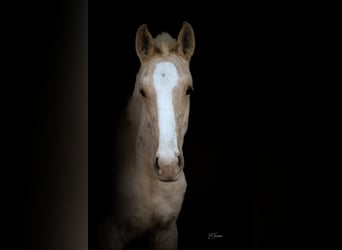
column 165, row 78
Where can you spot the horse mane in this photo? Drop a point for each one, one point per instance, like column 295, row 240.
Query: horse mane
column 164, row 43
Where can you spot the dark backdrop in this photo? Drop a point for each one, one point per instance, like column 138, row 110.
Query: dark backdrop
column 239, row 183
column 244, row 125
column 255, row 149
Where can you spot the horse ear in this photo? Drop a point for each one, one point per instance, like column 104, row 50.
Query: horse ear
column 186, row 41
column 143, row 42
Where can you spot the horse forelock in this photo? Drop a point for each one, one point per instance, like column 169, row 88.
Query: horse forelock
column 165, row 43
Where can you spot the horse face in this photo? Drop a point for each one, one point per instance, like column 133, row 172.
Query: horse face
column 165, row 87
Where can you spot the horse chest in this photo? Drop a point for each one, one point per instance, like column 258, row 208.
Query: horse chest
column 161, row 203
column 167, row 202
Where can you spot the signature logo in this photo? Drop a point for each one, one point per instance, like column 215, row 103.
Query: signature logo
column 213, row 236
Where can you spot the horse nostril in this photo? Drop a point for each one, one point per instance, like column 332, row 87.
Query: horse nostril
column 157, row 163
column 179, row 160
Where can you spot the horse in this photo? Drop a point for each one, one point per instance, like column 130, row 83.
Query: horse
column 150, row 184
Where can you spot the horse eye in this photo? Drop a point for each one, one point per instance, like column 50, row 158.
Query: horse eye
column 142, row 92
column 189, row 90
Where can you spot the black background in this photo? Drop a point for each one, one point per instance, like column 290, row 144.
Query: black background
column 238, row 183
column 238, row 150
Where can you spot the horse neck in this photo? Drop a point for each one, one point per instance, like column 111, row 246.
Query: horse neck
column 138, row 136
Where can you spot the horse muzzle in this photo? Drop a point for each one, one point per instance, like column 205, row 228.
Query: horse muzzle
column 169, row 169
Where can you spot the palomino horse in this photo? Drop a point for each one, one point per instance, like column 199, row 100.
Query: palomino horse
column 151, row 184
